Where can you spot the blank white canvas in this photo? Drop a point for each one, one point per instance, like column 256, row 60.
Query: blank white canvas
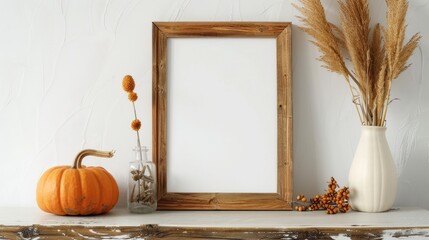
column 222, row 115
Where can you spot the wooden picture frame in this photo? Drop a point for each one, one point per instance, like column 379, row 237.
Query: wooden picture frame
column 282, row 199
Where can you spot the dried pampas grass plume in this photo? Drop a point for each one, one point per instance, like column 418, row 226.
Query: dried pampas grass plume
column 355, row 20
column 377, row 58
column 316, row 25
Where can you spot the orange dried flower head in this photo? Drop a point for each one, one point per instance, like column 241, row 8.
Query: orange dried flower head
column 128, row 83
column 136, row 124
column 132, row 96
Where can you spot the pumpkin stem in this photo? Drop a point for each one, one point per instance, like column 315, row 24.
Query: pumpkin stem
column 90, row 152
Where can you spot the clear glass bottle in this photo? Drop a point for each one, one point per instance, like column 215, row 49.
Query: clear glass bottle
column 142, row 195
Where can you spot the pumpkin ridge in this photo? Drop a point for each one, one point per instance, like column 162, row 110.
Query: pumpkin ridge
column 51, row 207
column 115, row 190
column 89, row 199
column 107, row 204
column 78, row 183
column 59, row 191
column 70, row 184
column 41, row 189
column 99, row 208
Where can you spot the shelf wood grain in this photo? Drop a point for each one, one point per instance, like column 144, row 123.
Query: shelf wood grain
column 158, row 232
column 32, row 223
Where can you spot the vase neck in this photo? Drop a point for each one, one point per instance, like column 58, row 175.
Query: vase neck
column 373, row 132
column 373, row 129
column 141, row 153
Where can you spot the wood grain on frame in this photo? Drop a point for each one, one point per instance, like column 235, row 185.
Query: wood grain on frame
column 224, row 201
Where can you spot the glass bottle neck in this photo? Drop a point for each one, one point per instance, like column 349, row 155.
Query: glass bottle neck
column 141, row 154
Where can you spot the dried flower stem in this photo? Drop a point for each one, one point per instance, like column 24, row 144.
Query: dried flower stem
column 353, row 96
column 138, row 135
column 139, row 148
column 353, row 78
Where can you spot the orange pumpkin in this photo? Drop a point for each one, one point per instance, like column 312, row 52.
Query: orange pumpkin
column 78, row 190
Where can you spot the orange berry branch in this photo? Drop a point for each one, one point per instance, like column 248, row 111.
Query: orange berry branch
column 333, row 201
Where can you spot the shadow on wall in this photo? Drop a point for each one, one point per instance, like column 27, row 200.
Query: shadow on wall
column 411, row 148
column 305, row 137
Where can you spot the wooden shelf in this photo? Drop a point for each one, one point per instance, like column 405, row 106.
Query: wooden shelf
column 32, row 222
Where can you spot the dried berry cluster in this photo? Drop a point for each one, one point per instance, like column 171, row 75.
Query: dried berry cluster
column 333, row 201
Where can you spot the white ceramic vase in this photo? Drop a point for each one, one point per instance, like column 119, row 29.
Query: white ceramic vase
column 372, row 176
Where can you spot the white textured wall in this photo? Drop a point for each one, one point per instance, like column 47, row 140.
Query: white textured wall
column 61, row 64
